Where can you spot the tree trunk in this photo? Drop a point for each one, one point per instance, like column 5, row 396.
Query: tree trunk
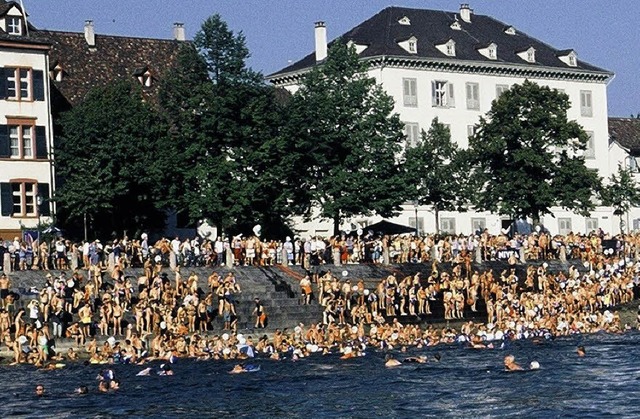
column 336, row 225
column 437, row 214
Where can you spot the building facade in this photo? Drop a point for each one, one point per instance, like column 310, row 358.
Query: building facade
column 26, row 135
column 452, row 65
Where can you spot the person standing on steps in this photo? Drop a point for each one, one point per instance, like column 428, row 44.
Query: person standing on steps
column 260, row 313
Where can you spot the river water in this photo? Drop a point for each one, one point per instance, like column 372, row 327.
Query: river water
column 466, row 382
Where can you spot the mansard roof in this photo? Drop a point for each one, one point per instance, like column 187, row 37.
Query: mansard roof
column 382, row 31
column 112, row 58
column 626, row 132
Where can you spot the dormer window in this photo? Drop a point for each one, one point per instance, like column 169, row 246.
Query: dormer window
column 529, row 55
column 14, row 25
column 490, row 51
column 448, row 48
column 144, row 76
column 57, row 74
column 404, row 21
column 456, row 25
column 410, row 45
column 570, row 58
column 359, row 48
column 510, row 30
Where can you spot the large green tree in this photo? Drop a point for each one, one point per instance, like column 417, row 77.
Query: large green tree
column 621, row 192
column 106, row 159
column 344, row 143
column 435, row 171
column 526, row 156
column 222, row 117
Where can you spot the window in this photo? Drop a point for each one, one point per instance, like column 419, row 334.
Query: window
column 412, row 132
column 492, row 52
column 478, row 224
column 636, row 224
column 21, row 84
column 473, row 96
column 410, row 92
column 586, row 108
column 412, row 46
column 18, row 198
column 442, row 94
column 451, row 49
column 500, row 89
column 592, row 224
column 471, row 130
column 531, row 55
column 14, row 26
column 412, row 223
column 572, row 60
column 631, row 164
column 448, row 225
column 590, row 151
column 21, row 139
column 564, row 225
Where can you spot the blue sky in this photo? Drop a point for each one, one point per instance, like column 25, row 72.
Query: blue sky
column 603, row 33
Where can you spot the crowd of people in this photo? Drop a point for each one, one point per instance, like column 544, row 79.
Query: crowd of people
column 162, row 313
column 60, row 253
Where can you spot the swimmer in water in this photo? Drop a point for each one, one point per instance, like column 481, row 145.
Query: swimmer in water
column 510, row 363
column 390, row 361
column 82, row 390
column 422, row 359
column 103, row 387
column 581, row 351
column 39, row 390
column 145, row 372
column 237, row 369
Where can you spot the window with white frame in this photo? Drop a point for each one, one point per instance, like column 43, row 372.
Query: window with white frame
column 564, row 226
column 448, row 225
column 636, row 224
column 18, row 83
column 591, row 224
column 410, row 92
column 442, row 94
column 471, row 130
column 586, row 104
column 14, row 25
column 478, row 224
column 590, row 151
column 21, row 141
column 500, row 89
column 412, row 45
column 473, row 96
column 412, row 132
column 412, row 223
column 631, row 164
column 24, row 198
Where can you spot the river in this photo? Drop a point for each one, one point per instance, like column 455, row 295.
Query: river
column 465, row 383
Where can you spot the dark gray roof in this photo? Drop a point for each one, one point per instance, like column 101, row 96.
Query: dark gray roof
column 432, row 27
column 626, row 132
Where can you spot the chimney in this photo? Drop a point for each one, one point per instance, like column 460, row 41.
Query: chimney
column 465, row 12
column 321, row 41
column 89, row 33
column 178, row 31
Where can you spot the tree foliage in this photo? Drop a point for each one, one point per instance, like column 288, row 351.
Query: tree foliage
column 527, row 156
column 344, row 143
column 222, row 117
column 435, row 170
column 107, row 160
column 621, row 191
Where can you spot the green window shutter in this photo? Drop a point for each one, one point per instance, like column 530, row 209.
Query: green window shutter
column 5, row 142
column 38, row 85
column 6, row 199
column 43, row 191
column 41, row 142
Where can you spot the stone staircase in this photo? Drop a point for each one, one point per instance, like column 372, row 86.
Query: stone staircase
column 278, row 289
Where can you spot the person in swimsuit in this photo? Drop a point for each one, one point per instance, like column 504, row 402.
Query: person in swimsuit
column 510, row 363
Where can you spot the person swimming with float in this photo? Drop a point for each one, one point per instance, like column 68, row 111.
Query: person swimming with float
column 511, row 365
column 241, row 368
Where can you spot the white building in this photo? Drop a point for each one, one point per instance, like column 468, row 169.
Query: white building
column 26, row 169
column 452, row 65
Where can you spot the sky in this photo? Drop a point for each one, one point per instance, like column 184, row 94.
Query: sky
column 603, row 33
